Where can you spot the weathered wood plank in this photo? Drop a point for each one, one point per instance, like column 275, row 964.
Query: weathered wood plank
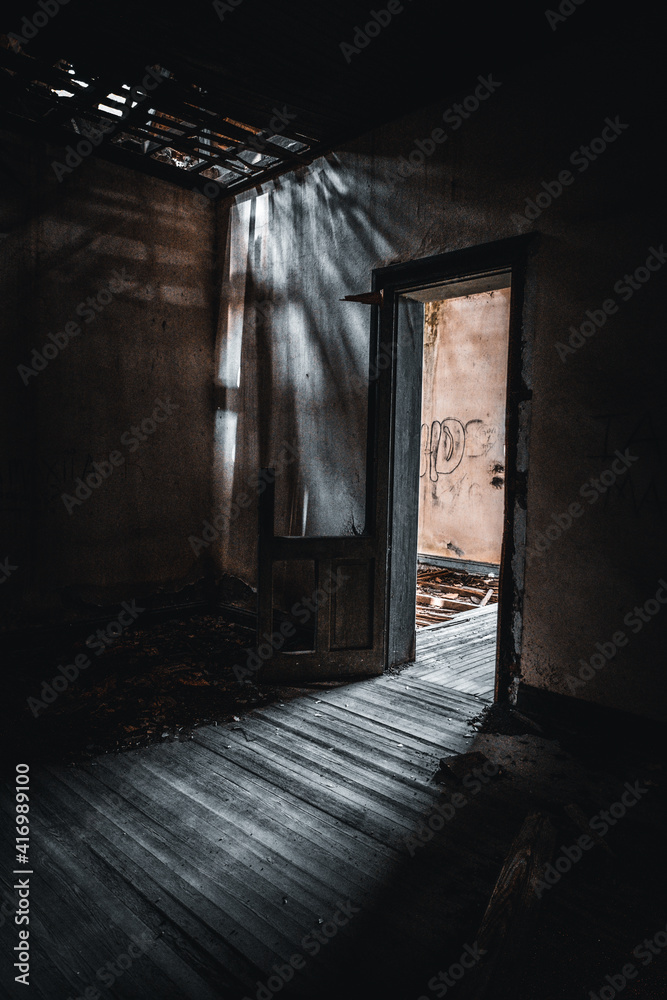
column 171, row 921
column 510, row 914
column 204, row 867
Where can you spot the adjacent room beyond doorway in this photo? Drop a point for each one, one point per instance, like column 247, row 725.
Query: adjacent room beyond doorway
column 462, row 470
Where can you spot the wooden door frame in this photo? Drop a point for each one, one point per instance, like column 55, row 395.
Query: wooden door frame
column 391, row 282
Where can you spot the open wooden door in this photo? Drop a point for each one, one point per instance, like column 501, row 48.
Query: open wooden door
column 365, row 621
column 354, row 633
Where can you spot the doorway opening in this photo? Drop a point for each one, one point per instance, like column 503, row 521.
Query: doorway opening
column 369, row 625
column 462, row 452
column 461, row 504
column 440, row 319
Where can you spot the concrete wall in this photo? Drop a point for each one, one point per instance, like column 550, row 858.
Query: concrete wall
column 143, row 251
column 464, row 390
column 314, row 236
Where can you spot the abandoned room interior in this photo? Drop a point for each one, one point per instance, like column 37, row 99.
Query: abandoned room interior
column 333, row 574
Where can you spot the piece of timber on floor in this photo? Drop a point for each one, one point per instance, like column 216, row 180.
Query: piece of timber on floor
column 457, row 767
column 510, row 915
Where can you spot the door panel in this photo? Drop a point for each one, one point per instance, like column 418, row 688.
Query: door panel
column 348, row 626
column 352, row 605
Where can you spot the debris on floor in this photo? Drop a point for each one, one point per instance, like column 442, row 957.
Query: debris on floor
column 456, row 767
column 155, row 683
column 443, row 593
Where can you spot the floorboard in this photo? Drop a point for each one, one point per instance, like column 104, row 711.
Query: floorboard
column 460, row 654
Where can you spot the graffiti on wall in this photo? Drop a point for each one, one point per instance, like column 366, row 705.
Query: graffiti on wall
column 445, row 442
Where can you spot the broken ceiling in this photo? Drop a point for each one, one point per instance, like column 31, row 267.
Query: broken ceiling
column 232, row 92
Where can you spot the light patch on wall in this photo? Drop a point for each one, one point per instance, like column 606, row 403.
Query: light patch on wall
column 305, row 511
column 280, row 307
column 63, row 238
column 229, row 348
column 262, row 222
column 230, row 334
column 120, row 246
column 136, row 290
column 298, row 332
column 224, row 442
column 238, row 249
column 332, row 170
column 179, row 295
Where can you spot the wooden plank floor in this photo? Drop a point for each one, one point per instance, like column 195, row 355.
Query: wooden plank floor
column 229, row 853
column 460, row 654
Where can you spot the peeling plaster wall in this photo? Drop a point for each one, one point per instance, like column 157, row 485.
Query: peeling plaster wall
column 316, row 235
column 104, row 229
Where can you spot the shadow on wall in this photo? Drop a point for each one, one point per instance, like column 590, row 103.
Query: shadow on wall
column 107, row 292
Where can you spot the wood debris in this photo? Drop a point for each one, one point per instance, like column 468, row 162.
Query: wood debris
column 458, row 766
column 442, row 593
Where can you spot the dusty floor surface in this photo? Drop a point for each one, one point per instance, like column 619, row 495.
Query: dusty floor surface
column 150, row 684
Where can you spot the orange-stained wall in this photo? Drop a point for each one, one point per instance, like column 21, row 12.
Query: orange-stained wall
column 462, row 473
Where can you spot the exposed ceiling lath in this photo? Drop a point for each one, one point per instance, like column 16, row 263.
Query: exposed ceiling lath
column 156, row 118
column 225, row 95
